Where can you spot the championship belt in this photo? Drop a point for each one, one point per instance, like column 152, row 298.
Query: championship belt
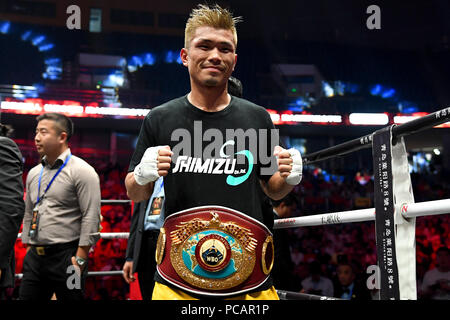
column 214, row 251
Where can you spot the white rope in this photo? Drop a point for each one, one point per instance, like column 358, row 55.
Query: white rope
column 326, row 218
column 90, row 274
column 428, row 208
column 408, row 210
column 114, row 235
column 417, row 209
column 104, row 235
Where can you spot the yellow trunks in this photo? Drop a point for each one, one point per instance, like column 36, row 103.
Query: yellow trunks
column 163, row 292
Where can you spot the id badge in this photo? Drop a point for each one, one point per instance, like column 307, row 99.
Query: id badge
column 34, row 223
column 156, row 206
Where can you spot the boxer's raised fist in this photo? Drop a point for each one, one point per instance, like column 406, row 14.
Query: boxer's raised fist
column 155, row 163
column 290, row 164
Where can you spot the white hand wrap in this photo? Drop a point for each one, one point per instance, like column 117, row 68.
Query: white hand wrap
column 147, row 170
column 295, row 176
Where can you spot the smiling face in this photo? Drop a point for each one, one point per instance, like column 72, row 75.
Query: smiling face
column 211, row 56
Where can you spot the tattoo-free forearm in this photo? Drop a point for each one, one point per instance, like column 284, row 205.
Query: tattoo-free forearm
column 136, row 192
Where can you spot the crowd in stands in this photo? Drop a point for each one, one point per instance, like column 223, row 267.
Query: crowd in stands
column 313, row 249
column 326, row 245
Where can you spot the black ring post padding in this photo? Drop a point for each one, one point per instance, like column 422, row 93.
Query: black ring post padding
column 338, row 150
column 384, row 214
column 290, row 295
column 416, row 125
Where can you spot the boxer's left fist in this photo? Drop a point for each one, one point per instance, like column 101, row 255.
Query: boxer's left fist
column 290, row 164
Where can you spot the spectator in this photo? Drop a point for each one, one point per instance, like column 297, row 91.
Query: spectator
column 316, row 283
column 347, row 287
column 11, row 206
column 436, row 282
column 283, row 275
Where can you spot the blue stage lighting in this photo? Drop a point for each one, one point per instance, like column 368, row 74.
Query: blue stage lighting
column 302, row 102
column 52, row 61
column 296, row 109
column 46, row 47
column 375, row 90
column 327, row 89
column 4, row 27
column 53, row 69
column 407, row 107
column 149, row 59
column 351, row 88
column 169, row 57
column 137, row 61
column 115, row 80
column 26, row 35
column 388, row 93
column 37, row 40
column 339, row 87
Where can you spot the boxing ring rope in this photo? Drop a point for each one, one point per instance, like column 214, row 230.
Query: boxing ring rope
column 419, row 209
column 429, row 121
column 90, row 274
column 115, row 202
column 282, row 294
column 113, row 235
column 388, row 146
column 289, row 295
column 410, row 210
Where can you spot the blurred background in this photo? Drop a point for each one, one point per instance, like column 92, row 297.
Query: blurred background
column 324, row 76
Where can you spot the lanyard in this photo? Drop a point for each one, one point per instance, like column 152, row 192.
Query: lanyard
column 350, row 292
column 150, row 201
column 155, row 194
column 51, row 181
column 161, row 187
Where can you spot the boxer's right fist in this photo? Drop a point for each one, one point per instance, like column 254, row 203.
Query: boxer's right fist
column 155, row 163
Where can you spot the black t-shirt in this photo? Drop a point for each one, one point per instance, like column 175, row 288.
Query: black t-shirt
column 213, row 152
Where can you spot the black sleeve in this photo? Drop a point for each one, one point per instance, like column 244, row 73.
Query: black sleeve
column 145, row 140
column 133, row 229
column 12, row 205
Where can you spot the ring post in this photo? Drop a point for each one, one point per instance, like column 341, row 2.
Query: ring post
column 405, row 231
column 395, row 235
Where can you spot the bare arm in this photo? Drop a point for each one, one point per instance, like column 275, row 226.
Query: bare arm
column 136, row 192
column 276, row 187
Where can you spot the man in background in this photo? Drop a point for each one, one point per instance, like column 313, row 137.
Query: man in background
column 147, row 219
column 11, row 206
column 347, row 287
column 283, row 268
column 62, row 215
column 436, row 282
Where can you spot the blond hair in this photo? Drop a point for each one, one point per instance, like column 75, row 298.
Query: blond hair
column 215, row 17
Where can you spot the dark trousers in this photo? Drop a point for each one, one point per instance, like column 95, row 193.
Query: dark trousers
column 147, row 265
column 45, row 274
